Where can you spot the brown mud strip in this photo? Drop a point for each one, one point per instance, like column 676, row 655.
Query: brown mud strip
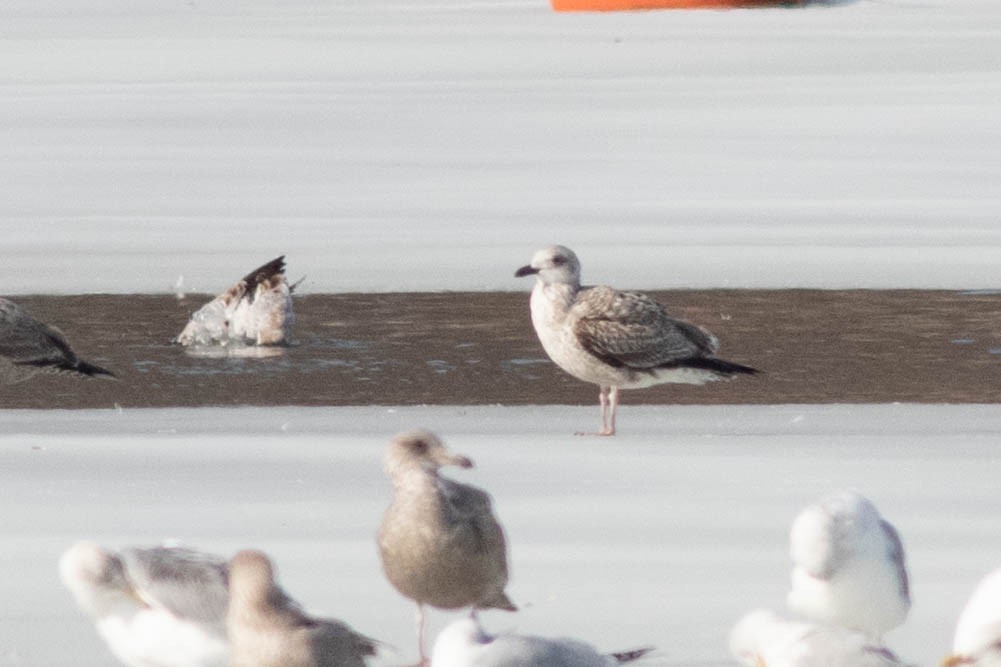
column 812, row 346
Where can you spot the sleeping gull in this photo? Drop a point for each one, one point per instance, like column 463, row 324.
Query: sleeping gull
column 463, row 643
column 762, row 638
column 978, row 631
column 28, row 347
column 162, row 606
column 255, row 311
column 617, row 340
column 268, row 629
column 439, row 541
column 848, row 566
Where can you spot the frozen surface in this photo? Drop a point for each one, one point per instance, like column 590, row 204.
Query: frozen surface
column 434, row 144
column 664, row 535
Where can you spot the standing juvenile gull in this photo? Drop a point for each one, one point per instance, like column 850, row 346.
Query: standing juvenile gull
column 463, row 643
column 162, row 607
column 848, row 566
column 439, row 541
column 268, row 629
column 617, row 340
column 762, row 638
column 978, row 631
column 28, row 347
column 255, row 311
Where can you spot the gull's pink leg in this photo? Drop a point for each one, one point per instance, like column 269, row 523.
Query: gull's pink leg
column 607, row 412
column 603, row 399
column 613, row 402
column 420, row 636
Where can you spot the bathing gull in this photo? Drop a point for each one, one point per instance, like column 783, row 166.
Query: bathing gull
column 978, row 631
column 762, row 638
column 163, row 606
column 255, row 311
column 617, row 340
column 439, row 541
column 848, row 566
column 28, row 346
column 463, row 643
column 268, row 629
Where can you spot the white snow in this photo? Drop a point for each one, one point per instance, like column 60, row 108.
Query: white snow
column 435, row 144
column 664, row 535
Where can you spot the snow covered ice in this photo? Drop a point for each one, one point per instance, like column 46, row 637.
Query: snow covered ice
column 423, row 145
column 664, row 536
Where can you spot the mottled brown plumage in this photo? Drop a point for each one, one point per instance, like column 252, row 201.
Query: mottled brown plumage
column 631, row 330
column 439, row 541
column 268, row 629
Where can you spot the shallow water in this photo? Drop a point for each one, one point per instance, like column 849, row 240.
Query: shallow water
column 473, row 348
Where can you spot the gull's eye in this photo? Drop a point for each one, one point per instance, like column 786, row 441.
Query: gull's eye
column 559, row 260
column 420, row 446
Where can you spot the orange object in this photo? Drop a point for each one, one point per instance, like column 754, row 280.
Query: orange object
column 626, row 5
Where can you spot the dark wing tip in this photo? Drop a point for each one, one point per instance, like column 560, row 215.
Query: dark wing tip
column 720, row 366
column 91, row 370
column 502, row 602
column 629, row 656
column 68, row 366
column 264, row 272
column 366, row 645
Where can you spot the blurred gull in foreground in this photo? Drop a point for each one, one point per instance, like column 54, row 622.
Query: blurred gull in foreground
column 268, row 629
column 439, row 541
column 617, row 340
column 463, row 643
column 978, row 631
column 29, row 347
column 765, row 639
column 255, row 311
column 848, row 566
column 162, row 606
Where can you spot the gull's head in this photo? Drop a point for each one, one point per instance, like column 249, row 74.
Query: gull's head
column 857, row 514
column 978, row 629
column 751, row 633
column 420, row 449
column 96, row 577
column 251, row 578
column 846, row 517
column 553, row 265
column 457, row 644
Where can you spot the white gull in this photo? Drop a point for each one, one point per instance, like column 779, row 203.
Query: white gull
column 848, row 566
column 617, row 340
column 161, row 606
column 29, row 347
column 439, row 540
column 463, row 643
column 269, row 629
column 977, row 640
column 762, row 638
column 257, row 310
